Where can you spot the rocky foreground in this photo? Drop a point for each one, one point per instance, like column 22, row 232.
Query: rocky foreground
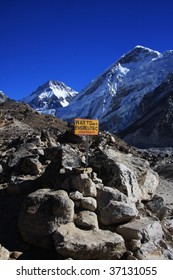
column 53, row 206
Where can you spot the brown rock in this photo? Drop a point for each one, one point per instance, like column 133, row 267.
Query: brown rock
column 95, row 244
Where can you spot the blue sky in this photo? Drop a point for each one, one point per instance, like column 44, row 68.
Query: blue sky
column 74, row 40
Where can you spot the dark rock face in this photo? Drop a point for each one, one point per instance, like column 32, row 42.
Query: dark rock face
column 154, row 125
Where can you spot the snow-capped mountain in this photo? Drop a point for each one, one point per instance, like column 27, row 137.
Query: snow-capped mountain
column 50, row 96
column 117, row 96
column 3, row 97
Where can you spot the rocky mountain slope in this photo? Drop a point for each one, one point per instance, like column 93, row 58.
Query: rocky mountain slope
column 53, row 206
column 130, row 98
column 154, row 127
column 50, row 96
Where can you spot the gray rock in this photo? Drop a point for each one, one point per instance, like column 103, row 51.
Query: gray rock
column 4, row 253
column 90, row 191
column 42, row 212
column 135, row 244
column 80, row 182
column 70, row 157
column 114, row 207
column 144, row 229
column 86, row 220
column 75, row 243
column 76, row 195
column 156, row 206
column 129, row 174
column 89, row 203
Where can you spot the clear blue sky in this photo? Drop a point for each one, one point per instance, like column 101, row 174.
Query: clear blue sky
column 74, row 40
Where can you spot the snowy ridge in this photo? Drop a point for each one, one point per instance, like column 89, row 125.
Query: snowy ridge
column 115, row 95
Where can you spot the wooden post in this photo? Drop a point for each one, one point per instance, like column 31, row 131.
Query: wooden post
column 87, row 149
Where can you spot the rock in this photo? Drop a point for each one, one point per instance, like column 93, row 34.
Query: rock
column 75, row 195
column 156, row 206
column 70, row 157
column 70, row 137
column 45, row 135
column 168, row 222
column 1, row 169
column 150, row 251
column 52, row 153
column 15, row 158
column 75, row 243
column 125, row 181
column 143, row 229
column 50, row 177
column 42, row 212
column 90, row 191
column 150, row 183
column 30, row 166
column 89, row 203
column 86, row 220
column 80, row 170
column 129, row 255
column 80, row 182
column 95, row 179
column 135, row 244
column 114, row 207
column 15, row 255
column 4, row 253
column 127, row 173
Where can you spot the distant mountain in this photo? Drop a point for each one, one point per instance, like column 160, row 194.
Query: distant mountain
column 50, row 96
column 127, row 94
column 3, row 97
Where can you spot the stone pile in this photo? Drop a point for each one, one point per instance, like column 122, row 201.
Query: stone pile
column 108, row 210
column 84, row 219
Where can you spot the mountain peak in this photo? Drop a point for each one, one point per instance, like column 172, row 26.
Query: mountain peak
column 138, row 53
column 50, row 96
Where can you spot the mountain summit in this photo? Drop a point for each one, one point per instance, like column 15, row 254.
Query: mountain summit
column 121, row 95
column 50, row 96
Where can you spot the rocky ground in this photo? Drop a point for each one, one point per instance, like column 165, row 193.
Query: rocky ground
column 53, row 206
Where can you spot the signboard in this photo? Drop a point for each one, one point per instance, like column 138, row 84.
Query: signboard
column 86, row 127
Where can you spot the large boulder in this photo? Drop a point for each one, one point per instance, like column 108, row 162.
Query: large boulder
column 154, row 250
column 42, row 213
column 148, row 235
column 114, row 207
column 75, row 243
column 125, row 172
column 144, row 229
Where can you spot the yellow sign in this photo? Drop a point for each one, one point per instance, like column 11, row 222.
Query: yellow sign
column 86, row 127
